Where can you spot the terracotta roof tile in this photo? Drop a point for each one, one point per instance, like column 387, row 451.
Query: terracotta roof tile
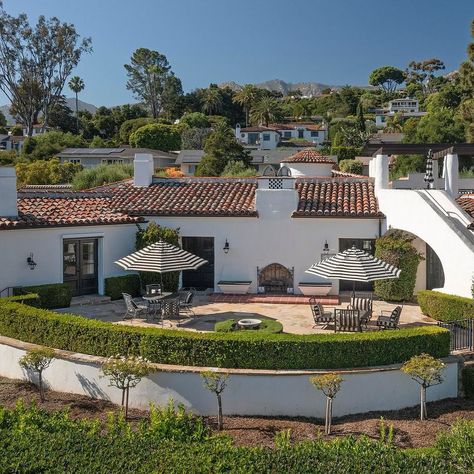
column 336, row 198
column 309, row 155
column 466, row 201
column 72, row 209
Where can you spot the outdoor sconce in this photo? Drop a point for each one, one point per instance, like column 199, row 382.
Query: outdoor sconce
column 326, row 247
column 31, row 263
column 226, row 246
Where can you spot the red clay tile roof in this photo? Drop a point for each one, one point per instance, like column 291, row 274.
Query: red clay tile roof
column 309, row 155
column 190, row 197
column 466, row 201
column 344, row 174
column 336, row 198
column 258, row 128
column 72, row 209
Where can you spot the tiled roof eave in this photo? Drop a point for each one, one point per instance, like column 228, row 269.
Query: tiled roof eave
column 35, row 225
column 199, row 214
column 310, row 215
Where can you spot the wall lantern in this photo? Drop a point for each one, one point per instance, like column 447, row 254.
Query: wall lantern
column 31, row 263
column 226, row 246
column 326, row 247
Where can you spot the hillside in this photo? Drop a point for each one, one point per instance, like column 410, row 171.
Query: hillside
column 306, row 88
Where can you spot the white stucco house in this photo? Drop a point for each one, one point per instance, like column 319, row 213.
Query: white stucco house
column 275, row 227
column 404, row 108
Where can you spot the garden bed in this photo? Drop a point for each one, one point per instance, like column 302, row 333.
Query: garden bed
column 260, row 431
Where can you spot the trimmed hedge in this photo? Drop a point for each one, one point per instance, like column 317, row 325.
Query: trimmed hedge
column 268, row 326
column 30, row 299
column 51, row 296
column 468, row 381
column 249, row 349
column 444, row 307
column 115, row 286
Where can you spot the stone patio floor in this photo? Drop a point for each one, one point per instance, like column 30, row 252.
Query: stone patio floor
column 295, row 318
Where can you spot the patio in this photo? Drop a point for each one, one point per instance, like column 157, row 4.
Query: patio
column 295, row 318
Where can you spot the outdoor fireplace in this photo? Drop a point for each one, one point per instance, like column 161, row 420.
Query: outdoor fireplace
column 275, row 279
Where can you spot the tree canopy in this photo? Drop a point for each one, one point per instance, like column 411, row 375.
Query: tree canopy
column 386, row 77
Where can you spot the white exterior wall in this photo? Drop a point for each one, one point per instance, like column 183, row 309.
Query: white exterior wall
column 249, row 392
column 309, row 169
column 115, row 241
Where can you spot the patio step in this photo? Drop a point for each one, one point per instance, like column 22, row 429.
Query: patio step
column 88, row 300
column 272, row 299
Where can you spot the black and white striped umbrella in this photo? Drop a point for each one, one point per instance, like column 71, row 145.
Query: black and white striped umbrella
column 429, row 170
column 161, row 257
column 355, row 265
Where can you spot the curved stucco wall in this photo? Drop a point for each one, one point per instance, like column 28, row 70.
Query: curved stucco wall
column 249, row 392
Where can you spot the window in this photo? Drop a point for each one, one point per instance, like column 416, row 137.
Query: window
column 287, row 134
column 112, row 161
column 242, row 135
column 191, row 169
column 76, row 161
column 266, row 137
column 301, row 133
column 315, row 134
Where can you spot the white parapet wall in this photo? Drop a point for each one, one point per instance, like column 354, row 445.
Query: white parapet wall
column 249, row 392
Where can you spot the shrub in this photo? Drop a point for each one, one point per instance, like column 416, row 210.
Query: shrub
column 102, row 174
column 115, row 286
column 51, row 296
column 351, row 166
column 157, row 136
column 268, row 326
column 195, row 120
column 47, row 145
column 468, row 381
column 329, row 384
column 216, row 383
column 46, row 172
column 345, row 152
column 30, row 299
column 130, row 126
column 247, row 349
column 443, row 307
column 37, row 361
column 396, row 248
column 237, row 169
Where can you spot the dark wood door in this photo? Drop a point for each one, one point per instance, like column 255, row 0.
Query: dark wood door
column 367, row 245
column 434, row 270
column 203, row 277
column 80, row 265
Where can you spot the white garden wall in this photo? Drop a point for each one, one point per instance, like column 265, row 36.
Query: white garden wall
column 249, row 392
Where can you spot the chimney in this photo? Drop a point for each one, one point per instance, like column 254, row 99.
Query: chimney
column 8, row 194
column 381, row 172
column 143, row 169
column 276, row 197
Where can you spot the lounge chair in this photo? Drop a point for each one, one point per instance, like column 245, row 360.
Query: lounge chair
column 134, row 309
column 347, row 320
column 319, row 315
column 390, row 319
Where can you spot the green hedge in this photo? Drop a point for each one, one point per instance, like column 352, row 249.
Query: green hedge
column 444, row 307
column 468, row 381
column 248, row 349
column 33, row 441
column 30, row 299
column 51, row 296
column 268, row 326
column 115, row 286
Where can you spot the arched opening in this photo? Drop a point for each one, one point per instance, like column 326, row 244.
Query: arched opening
column 275, row 279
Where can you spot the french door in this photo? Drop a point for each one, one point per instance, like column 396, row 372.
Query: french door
column 203, row 277
column 80, row 265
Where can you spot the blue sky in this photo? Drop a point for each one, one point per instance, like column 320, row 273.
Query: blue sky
column 331, row 41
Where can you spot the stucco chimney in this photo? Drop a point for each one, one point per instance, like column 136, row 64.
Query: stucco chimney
column 451, row 175
column 381, row 172
column 143, row 169
column 276, row 197
column 8, row 194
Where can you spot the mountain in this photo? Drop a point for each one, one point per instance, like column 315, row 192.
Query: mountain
column 277, row 85
column 70, row 101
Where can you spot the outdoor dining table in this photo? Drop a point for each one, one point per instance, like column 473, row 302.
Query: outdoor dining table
column 155, row 300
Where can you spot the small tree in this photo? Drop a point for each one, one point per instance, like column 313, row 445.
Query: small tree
column 329, row 384
column 216, row 383
column 427, row 371
column 125, row 373
column 37, row 360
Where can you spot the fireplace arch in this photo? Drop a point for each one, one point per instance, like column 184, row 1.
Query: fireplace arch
column 275, row 279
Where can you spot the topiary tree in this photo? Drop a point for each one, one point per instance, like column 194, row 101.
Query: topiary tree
column 427, row 371
column 396, row 248
column 216, row 383
column 329, row 384
column 351, row 166
column 37, row 361
column 153, row 233
column 157, row 136
column 125, row 373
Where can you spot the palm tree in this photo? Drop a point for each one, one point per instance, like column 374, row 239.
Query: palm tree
column 76, row 84
column 266, row 110
column 246, row 97
column 211, row 102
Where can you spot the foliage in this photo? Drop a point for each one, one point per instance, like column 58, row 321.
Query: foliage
column 175, row 442
column 7, row 157
column 37, row 360
column 153, row 233
column 16, row 130
column 130, row 126
column 265, row 111
column 103, row 174
column 30, row 299
column 423, row 73
column 386, row 77
column 406, row 164
column 46, row 145
column 51, row 296
column 351, row 166
column 467, row 374
column 249, row 349
column 115, row 286
column 194, row 138
column 35, row 62
column 61, row 118
column 329, row 384
column 156, row 136
column 246, row 98
column 237, row 169
column 195, row 120
column 396, row 248
column 443, row 307
column 46, row 172
column 268, row 326
column 125, row 372
column 220, row 148
column 216, row 383
column 344, row 153
column 76, row 84
column 440, row 125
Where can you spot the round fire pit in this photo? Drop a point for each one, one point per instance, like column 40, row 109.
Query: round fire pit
column 249, row 323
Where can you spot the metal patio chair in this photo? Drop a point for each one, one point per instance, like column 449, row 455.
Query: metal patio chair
column 319, row 315
column 134, row 309
column 389, row 320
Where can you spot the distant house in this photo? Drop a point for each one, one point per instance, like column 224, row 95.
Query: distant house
column 405, row 108
column 276, row 134
column 91, row 157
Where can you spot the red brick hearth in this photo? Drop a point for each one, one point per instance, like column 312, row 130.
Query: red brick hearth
column 271, row 299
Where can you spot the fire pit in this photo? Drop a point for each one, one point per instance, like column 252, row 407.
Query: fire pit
column 249, row 323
